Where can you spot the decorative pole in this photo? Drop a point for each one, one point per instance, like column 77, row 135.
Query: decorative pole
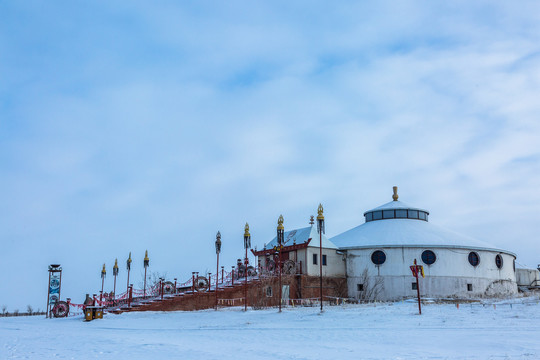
column 222, row 274
column 103, row 273
column 115, row 274
column 218, row 250
column 320, row 229
column 128, row 267
column 55, row 282
column 280, row 232
column 146, row 263
column 247, row 245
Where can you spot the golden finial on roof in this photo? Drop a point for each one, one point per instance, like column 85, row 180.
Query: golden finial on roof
column 280, row 223
column 103, row 271
column 320, row 212
column 246, row 230
column 146, row 256
column 115, row 264
column 129, row 259
column 395, row 196
column 312, row 220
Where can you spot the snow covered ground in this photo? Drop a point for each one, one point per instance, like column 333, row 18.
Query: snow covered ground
column 382, row 331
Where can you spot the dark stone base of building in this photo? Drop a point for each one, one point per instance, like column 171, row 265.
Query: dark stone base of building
column 261, row 293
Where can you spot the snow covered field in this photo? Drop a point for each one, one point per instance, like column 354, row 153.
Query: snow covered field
column 384, row 331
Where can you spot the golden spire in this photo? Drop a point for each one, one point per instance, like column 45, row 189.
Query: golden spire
column 246, row 230
column 115, row 264
column 129, row 259
column 320, row 212
column 146, row 256
column 280, row 223
column 103, row 271
column 395, row 196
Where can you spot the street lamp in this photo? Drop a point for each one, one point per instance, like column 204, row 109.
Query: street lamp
column 280, row 232
column 103, row 273
column 218, row 250
column 247, row 245
column 320, row 229
column 146, row 263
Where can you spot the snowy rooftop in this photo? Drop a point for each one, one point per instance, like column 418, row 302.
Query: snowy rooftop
column 405, row 232
column 301, row 236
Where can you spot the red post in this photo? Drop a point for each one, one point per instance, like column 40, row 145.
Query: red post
column 418, row 290
column 232, row 275
column 209, row 281
column 161, row 281
column 175, row 286
column 114, row 288
column 130, row 294
column 223, row 274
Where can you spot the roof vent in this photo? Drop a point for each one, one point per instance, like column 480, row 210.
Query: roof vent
column 395, row 196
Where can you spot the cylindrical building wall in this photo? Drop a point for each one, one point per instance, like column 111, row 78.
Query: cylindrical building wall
column 451, row 274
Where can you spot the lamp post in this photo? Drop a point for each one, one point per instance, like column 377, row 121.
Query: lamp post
column 320, row 229
column 218, row 250
column 103, row 273
column 115, row 274
column 146, row 263
column 128, row 267
column 280, row 232
column 247, row 245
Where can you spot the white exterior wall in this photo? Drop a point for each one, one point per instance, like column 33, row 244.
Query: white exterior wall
column 335, row 263
column 527, row 277
column 447, row 277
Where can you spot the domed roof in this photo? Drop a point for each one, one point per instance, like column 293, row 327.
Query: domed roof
column 395, row 205
column 399, row 229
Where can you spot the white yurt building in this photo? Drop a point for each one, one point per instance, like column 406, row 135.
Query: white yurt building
column 380, row 251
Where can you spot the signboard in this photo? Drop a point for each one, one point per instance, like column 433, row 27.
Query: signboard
column 55, row 282
column 54, row 288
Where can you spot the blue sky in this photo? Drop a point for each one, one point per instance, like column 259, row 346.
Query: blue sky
column 126, row 126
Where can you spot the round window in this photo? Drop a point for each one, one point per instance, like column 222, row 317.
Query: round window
column 474, row 259
column 498, row 261
column 428, row 257
column 378, row 257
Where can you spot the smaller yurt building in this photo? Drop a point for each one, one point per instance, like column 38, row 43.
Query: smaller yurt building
column 300, row 254
column 380, row 251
